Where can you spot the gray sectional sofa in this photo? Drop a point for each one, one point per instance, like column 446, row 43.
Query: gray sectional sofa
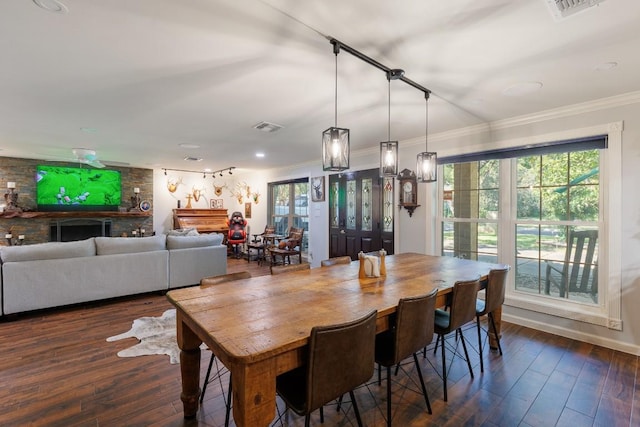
column 60, row 273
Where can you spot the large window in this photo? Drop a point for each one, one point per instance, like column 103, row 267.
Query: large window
column 289, row 207
column 542, row 210
column 558, row 200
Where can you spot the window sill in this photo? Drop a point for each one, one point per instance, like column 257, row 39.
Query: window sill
column 593, row 314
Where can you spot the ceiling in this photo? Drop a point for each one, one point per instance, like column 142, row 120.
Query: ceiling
column 142, row 81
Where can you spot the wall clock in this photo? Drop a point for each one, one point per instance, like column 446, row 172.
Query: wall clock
column 408, row 190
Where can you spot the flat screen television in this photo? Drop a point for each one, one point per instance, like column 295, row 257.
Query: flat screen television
column 62, row 188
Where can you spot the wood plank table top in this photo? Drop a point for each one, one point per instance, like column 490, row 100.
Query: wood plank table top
column 259, row 327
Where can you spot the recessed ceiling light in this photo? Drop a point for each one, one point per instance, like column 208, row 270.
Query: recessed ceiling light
column 524, row 88
column 54, row 6
column 260, row 155
column 606, row 66
column 189, row 145
column 193, row 159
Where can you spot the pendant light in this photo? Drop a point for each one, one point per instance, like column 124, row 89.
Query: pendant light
column 335, row 140
column 427, row 162
column 388, row 148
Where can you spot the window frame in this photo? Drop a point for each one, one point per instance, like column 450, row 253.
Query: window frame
column 608, row 310
column 291, row 216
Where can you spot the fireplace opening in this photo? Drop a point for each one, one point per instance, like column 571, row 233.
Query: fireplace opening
column 79, row 229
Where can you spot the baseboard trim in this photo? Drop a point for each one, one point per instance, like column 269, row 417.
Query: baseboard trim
column 575, row 335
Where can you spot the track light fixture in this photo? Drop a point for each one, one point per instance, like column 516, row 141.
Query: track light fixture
column 388, row 148
column 335, row 140
column 204, row 173
column 427, row 161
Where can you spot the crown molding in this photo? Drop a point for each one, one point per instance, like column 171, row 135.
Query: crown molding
column 555, row 113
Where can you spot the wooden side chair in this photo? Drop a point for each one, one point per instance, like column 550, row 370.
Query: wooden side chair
column 340, row 358
column 493, row 299
column 412, row 331
column 579, row 265
column 335, row 261
column 259, row 244
column 462, row 310
column 220, row 370
column 292, row 245
column 280, row 269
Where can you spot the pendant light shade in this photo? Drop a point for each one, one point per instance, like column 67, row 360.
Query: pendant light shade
column 335, row 149
column 389, row 149
column 389, row 158
column 335, row 140
column 427, row 162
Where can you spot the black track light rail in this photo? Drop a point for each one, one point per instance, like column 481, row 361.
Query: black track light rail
column 391, row 73
column 204, row 173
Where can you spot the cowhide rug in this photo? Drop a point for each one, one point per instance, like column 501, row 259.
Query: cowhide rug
column 157, row 335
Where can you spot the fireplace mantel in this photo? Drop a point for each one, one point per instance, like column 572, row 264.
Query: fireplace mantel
column 87, row 214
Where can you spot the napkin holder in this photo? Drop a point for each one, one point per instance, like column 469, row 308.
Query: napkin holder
column 372, row 265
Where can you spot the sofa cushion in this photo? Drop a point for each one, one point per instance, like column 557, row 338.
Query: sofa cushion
column 183, row 232
column 125, row 245
column 50, row 250
column 201, row 240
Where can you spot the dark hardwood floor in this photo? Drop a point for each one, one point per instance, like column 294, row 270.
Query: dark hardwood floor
column 56, row 369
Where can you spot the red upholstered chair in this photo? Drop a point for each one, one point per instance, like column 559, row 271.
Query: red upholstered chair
column 237, row 233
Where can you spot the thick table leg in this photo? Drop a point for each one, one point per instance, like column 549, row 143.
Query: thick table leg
column 189, row 344
column 254, row 394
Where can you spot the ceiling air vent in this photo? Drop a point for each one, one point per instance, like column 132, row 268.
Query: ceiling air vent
column 193, row 159
column 267, row 127
column 561, row 9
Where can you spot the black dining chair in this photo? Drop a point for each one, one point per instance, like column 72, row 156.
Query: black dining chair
column 411, row 332
column 461, row 310
column 220, row 370
column 494, row 298
column 340, row 357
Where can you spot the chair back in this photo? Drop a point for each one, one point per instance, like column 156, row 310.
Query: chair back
column 269, row 229
column 494, row 292
column 581, row 251
column 341, row 357
column 280, row 269
column 414, row 324
column 295, row 237
column 463, row 303
column 223, row 278
column 335, row 261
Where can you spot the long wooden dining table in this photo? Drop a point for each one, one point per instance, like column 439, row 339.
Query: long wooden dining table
column 259, row 327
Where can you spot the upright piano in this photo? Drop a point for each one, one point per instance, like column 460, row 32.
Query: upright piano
column 203, row 220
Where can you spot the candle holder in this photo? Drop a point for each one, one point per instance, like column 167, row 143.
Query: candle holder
column 14, row 241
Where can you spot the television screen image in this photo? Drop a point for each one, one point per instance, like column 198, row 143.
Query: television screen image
column 61, row 188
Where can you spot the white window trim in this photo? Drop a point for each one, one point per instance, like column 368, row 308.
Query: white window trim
column 608, row 312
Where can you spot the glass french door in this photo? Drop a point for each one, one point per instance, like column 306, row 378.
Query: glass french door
column 360, row 213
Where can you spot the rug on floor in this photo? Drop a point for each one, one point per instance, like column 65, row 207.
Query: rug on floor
column 156, row 335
